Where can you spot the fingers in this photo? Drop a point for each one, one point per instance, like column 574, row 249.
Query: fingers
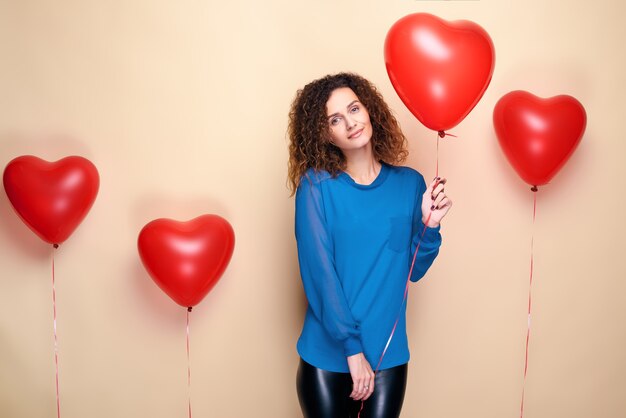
column 363, row 391
column 362, row 377
column 444, row 203
column 437, row 193
column 370, row 390
column 363, row 387
column 435, row 183
column 437, row 187
column 357, row 387
column 355, row 390
column 437, row 202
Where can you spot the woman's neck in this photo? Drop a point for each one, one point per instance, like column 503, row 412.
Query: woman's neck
column 362, row 167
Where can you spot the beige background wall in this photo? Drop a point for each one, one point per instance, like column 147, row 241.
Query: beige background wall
column 182, row 107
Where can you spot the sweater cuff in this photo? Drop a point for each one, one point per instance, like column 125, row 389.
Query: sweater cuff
column 352, row 346
column 431, row 234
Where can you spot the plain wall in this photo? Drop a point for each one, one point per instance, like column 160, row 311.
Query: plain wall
column 182, row 106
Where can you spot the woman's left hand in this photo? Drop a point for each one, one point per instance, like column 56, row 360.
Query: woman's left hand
column 435, row 203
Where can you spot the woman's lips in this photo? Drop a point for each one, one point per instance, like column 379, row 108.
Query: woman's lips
column 356, row 134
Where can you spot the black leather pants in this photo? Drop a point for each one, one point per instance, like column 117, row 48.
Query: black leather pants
column 325, row 394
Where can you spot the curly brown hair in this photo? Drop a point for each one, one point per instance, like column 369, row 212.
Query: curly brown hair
column 309, row 131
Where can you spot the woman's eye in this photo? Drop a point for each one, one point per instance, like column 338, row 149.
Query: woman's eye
column 334, row 121
column 354, row 109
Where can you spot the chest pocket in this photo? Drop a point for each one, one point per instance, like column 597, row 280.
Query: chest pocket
column 400, row 233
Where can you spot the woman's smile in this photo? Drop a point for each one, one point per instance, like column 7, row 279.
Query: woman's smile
column 356, row 134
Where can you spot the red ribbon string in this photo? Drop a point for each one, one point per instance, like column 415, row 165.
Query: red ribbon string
column 188, row 365
column 56, row 344
column 441, row 134
column 437, row 167
column 406, row 292
column 532, row 239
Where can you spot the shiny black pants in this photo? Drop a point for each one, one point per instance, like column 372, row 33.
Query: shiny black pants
column 324, row 394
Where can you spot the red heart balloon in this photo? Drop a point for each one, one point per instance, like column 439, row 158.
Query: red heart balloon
column 538, row 135
column 186, row 259
column 51, row 198
column 439, row 69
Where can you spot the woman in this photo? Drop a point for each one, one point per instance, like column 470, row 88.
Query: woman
column 359, row 219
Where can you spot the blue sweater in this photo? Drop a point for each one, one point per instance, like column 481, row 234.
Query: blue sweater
column 355, row 247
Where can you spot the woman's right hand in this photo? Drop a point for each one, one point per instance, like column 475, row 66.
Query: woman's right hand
column 362, row 377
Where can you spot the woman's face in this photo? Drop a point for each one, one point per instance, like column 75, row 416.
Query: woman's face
column 348, row 119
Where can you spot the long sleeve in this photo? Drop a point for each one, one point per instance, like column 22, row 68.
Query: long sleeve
column 430, row 242
column 317, row 268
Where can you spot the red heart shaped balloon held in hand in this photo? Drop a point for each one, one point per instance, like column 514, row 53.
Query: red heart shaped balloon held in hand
column 439, row 69
column 51, row 198
column 186, row 259
column 538, row 135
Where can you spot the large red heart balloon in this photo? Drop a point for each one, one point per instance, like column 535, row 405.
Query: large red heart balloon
column 538, row 135
column 440, row 69
column 51, row 198
column 186, row 259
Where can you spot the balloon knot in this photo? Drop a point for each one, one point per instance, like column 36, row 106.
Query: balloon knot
column 55, row 245
column 189, row 309
column 443, row 134
column 534, row 189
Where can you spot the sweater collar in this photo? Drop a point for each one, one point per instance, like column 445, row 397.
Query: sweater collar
column 380, row 179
